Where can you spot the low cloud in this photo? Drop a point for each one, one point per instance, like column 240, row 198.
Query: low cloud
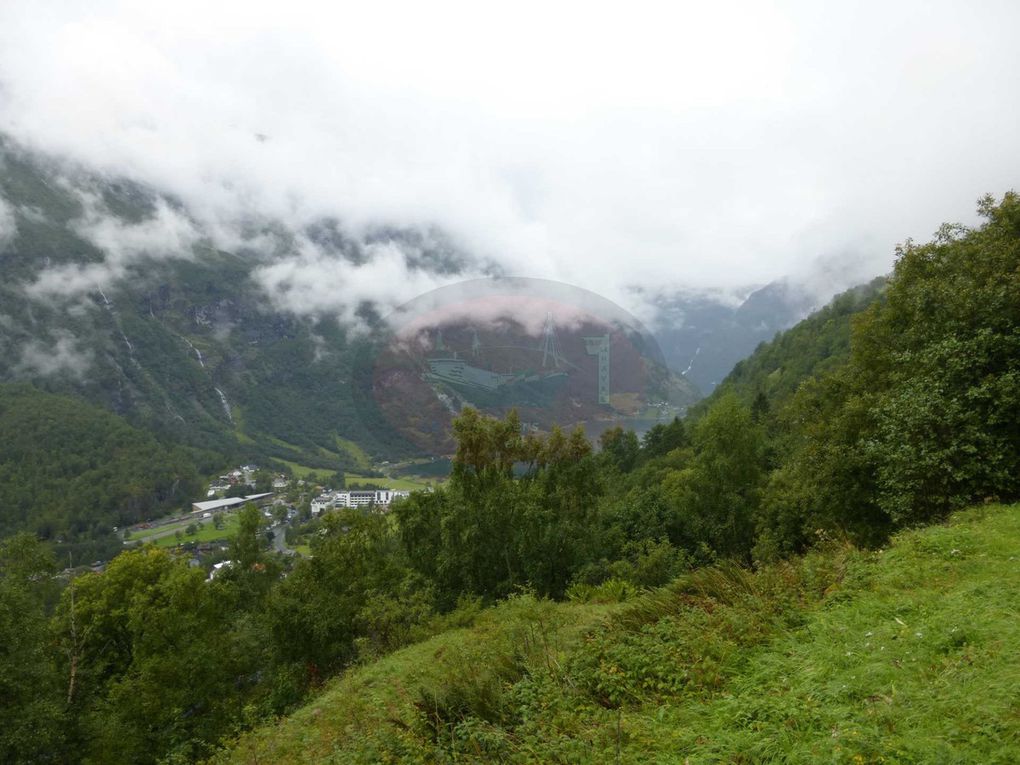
column 529, row 305
column 317, row 281
column 60, row 354
column 165, row 234
column 669, row 147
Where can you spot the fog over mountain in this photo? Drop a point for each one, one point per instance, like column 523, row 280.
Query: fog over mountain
column 676, row 148
column 79, row 243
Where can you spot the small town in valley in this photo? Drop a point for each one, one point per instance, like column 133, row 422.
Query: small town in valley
column 292, row 509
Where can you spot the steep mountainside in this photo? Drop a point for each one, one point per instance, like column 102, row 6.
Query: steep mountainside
column 116, row 293
column 703, row 337
column 185, row 344
column 70, row 472
column 810, row 348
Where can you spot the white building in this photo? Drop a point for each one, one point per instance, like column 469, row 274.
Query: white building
column 222, row 504
column 357, row 498
column 319, row 504
column 369, row 497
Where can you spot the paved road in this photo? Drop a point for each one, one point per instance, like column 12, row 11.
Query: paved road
column 154, row 532
column 280, row 539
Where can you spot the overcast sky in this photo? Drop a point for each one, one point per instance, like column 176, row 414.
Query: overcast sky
column 709, row 144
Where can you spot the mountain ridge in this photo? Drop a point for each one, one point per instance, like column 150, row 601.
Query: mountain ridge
column 114, row 292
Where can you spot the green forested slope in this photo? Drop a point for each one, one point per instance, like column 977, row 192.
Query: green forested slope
column 924, row 417
column 70, row 472
column 185, row 343
column 812, row 347
column 906, row 654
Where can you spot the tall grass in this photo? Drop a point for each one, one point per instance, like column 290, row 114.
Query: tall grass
column 910, row 654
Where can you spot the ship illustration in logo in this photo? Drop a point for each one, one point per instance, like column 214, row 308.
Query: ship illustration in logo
column 524, row 386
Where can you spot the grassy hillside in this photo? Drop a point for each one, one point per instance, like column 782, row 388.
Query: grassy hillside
column 907, row 654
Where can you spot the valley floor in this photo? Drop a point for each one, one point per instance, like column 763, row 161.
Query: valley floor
column 909, row 654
